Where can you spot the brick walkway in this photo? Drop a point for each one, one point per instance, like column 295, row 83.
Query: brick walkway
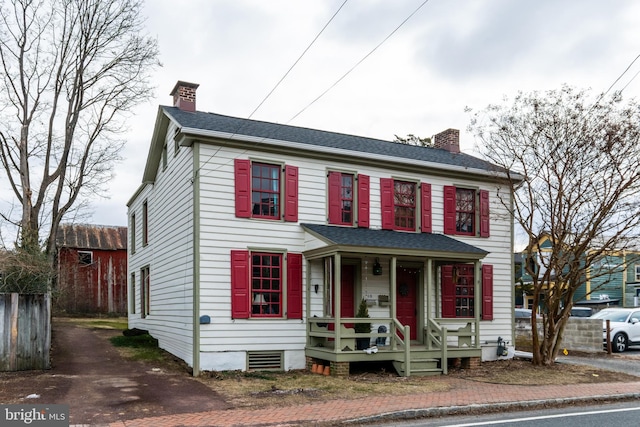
column 463, row 394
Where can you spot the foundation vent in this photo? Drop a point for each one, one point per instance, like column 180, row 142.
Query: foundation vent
column 266, row 361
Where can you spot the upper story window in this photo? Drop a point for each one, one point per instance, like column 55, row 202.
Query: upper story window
column 133, row 233
column 348, row 199
column 264, row 190
column 404, row 205
column 401, row 201
column 637, row 273
column 466, row 211
column 85, row 257
column 145, row 223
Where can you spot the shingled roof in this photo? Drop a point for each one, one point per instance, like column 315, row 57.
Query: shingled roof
column 389, row 239
column 273, row 131
column 97, row 237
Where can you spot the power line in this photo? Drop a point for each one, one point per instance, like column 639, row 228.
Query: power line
column 298, row 60
column 275, row 87
column 360, row 61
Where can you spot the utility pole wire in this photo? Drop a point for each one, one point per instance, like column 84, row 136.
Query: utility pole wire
column 298, row 60
column 359, row 62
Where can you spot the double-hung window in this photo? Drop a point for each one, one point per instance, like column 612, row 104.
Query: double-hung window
column 266, row 285
column 145, row 289
column 637, row 275
column 348, row 199
column 406, row 205
column 466, row 211
column 264, row 190
column 458, row 291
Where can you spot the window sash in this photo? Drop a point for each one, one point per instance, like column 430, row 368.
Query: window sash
column 404, row 204
column 465, row 211
column 265, row 190
column 266, row 284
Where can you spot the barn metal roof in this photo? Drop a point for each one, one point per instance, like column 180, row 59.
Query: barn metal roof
column 85, row 236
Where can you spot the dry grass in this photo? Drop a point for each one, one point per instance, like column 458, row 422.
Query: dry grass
column 263, row 389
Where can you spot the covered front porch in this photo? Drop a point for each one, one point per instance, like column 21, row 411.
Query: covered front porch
column 423, row 293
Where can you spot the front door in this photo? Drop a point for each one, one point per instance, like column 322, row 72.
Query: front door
column 407, row 298
column 347, row 292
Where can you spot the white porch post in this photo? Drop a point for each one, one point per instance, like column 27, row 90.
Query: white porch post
column 477, row 300
column 337, row 284
column 392, row 298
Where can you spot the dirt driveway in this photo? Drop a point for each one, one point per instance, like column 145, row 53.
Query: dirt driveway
column 100, row 386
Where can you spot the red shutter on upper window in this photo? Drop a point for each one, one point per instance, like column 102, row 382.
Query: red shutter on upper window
column 386, row 203
column 484, row 213
column 449, row 209
column 363, row 201
column 448, row 292
column 240, row 284
column 335, row 201
column 294, row 286
column 487, row 292
column 242, row 180
column 291, row 193
column 425, row 192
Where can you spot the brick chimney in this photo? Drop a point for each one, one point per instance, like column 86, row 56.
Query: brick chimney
column 184, row 95
column 448, row 140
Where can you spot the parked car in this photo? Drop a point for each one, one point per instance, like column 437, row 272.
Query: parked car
column 523, row 313
column 581, row 312
column 624, row 324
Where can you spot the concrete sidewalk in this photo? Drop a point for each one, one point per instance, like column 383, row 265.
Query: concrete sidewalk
column 463, row 396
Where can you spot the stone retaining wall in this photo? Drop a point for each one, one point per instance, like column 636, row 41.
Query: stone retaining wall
column 580, row 334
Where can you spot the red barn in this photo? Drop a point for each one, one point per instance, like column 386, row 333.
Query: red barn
column 92, row 269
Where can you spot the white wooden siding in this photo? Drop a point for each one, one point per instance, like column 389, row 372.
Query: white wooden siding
column 170, row 253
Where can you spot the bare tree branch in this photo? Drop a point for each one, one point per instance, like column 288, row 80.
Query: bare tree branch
column 581, row 162
column 71, row 70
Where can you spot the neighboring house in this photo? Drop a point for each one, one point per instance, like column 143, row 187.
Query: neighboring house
column 613, row 280
column 252, row 244
column 92, row 269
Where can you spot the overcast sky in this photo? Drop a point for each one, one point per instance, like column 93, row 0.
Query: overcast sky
column 449, row 55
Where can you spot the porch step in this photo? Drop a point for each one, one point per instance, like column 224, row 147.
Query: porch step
column 419, row 367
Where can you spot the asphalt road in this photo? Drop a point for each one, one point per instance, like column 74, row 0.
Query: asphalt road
column 618, row 414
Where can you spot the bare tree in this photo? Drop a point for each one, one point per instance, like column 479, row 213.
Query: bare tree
column 580, row 157
column 412, row 139
column 71, row 70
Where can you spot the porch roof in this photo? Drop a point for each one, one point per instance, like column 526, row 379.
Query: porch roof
column 390, row 242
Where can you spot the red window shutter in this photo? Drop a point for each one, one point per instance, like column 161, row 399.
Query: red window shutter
column 484, row 213
column 242, row 181
column 294, row 286
column 426, row 207
column 448, row 292
column 449, row 209
column 363, row 201
column 335, row 206
column 386, row 202
column 487, row 292
column 240, row 295
column 291, row 193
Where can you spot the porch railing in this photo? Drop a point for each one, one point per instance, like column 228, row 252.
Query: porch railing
column 322, row 330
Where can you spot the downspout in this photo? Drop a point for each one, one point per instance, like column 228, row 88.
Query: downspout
column 196, row 260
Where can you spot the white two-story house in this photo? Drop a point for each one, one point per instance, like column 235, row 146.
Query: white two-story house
column 253, row 243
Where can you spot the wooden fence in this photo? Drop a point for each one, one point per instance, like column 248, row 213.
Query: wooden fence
column 25, row 331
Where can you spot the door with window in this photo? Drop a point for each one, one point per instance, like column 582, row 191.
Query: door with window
column 407, row 298
column 347, row 292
